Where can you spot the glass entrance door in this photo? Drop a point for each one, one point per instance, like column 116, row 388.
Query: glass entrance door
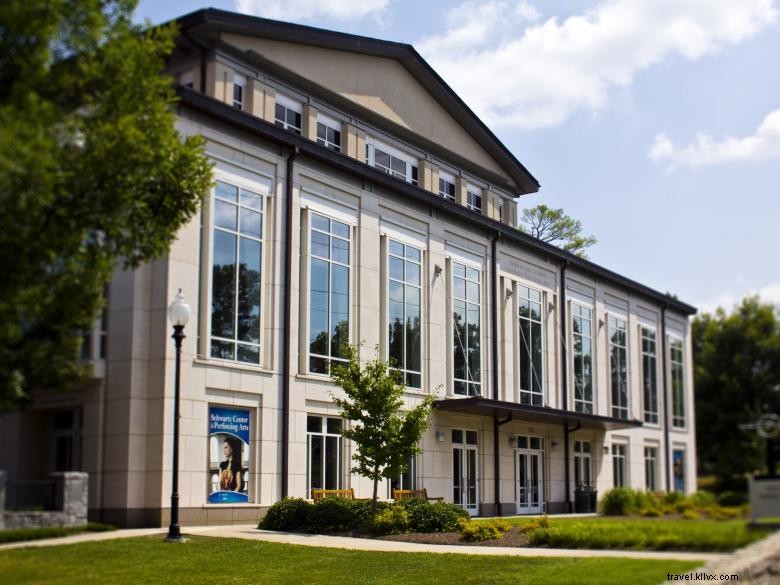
column 464, row 470
column 530, row 486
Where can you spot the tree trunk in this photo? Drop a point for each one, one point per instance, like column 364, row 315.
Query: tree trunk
column 376, row 489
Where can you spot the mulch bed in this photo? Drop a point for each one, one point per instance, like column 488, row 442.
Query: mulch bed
column 512, row 538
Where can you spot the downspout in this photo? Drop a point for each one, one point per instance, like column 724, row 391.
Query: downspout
column 564, row 384
column 666, row 399
column 286, row 350
column 494, row 351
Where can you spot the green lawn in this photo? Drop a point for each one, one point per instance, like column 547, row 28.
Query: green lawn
column 213, row 561
column 642, row 533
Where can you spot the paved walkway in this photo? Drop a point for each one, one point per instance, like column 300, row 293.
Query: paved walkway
column 250, row 532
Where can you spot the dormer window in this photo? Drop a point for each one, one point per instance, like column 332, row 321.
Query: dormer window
column 474, row 198
column 288, row 114
column 446, row 186
column 329, row 133
column 392, row 161
column 239, row 87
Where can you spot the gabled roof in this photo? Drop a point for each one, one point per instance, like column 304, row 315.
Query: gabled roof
column 209, row 23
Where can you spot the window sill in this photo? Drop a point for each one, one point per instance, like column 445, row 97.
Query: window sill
column 682, row 430
column 200, row 361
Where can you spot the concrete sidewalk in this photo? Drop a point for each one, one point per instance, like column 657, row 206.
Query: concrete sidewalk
column 250, row 532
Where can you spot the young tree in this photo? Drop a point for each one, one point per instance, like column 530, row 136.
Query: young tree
column 92, row 173
column 555, row 227
column 736, row 360
column 386, row 437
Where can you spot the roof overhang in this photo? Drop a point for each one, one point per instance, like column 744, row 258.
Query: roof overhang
column 207, row 25
column 537, row 414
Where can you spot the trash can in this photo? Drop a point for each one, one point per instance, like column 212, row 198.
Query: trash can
column 585, row 498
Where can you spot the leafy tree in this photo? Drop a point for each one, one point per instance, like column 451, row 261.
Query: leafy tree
column 555, row 227
column 385, row 436
column 92, row 173
column 737, row 379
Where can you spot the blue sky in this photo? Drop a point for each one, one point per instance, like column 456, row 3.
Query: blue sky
column 655, row 122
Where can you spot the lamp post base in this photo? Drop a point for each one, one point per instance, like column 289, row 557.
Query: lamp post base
column 179, row 538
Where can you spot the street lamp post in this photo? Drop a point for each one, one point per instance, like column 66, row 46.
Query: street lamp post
column 178, row 314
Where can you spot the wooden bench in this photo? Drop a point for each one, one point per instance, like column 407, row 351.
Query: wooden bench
column 415, row 495
column 317, row 495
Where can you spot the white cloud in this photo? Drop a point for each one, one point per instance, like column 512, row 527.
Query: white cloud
column 298, row 10
column 763, row 144
column 538, row 75
column 728, row 300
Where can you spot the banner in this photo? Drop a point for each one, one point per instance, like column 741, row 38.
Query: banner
column 678, row 465
column 229, row 455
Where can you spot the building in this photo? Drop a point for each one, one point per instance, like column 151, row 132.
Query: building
column 357, row 198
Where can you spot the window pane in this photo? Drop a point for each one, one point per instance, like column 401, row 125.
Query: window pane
column 332, row 463
column 457, row 436
column 412, row 273
column 251, row 199
column 319, row 307
column 223, row 285
column 316, row 456
column 396, row 268
column 320, row 245
column 381, row 158
column 398, row 166
column 225, row 215
column 251, row 223
column 396, row 327
column 249, row 354
column 249, row 291
column 318, row 222
column 314, row 424
column 340, row 250
column 225, row 191
column 340, row 229
column 334, row 426
column 223, row 350
column 396, row 248
column 339, row 310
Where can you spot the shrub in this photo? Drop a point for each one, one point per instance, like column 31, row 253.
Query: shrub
column 652, row 512
column 690, row 514
column 722, row 513
column 617, row 502
column 535, row 524
column 391, row 520
column 363, row 511
column 333, row 515
column 436, row 517
column 644, row 501
column 729, row 499
column 481, row 531
column 702, row 499
column 673, row 498
column 288, row 514
column 698, row 535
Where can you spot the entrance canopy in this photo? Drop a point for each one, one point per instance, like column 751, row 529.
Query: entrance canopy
column 538, row 414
